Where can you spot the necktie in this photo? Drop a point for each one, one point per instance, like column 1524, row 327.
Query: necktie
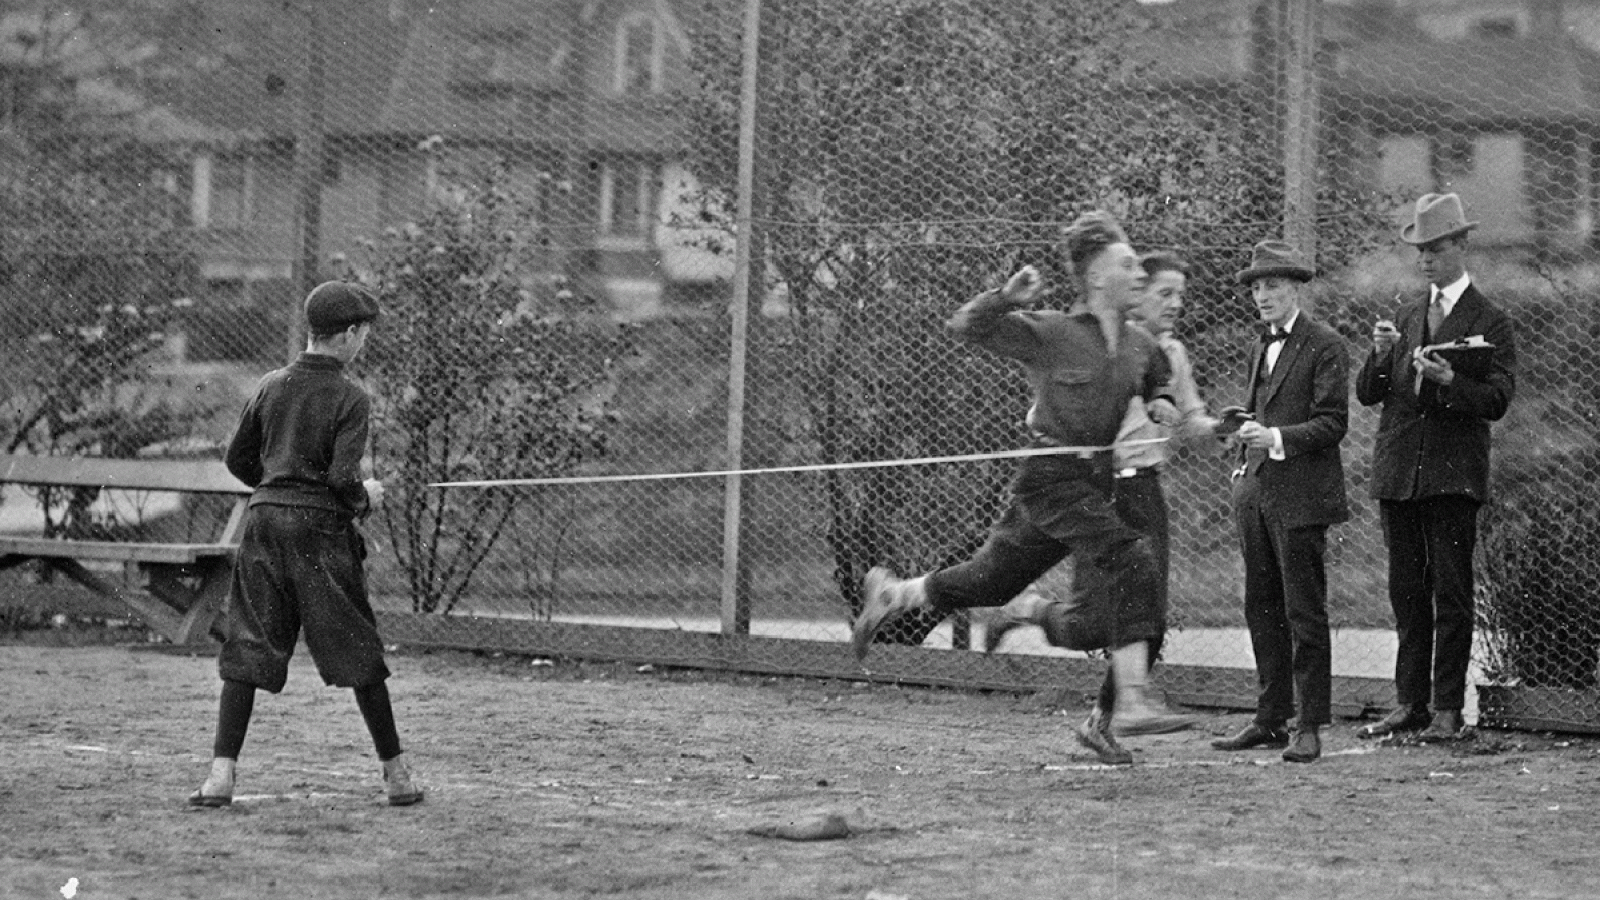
column 1435, row 319
column 1435, row 314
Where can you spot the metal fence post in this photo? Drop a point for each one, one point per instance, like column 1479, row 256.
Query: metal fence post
column 735, row 581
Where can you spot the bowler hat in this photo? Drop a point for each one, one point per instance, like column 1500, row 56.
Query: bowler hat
column 1275, row 259
column 335, row 305
column 1438, row 216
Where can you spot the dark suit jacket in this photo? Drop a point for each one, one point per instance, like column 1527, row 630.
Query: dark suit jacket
column 1308, row 399
column 1438, row 442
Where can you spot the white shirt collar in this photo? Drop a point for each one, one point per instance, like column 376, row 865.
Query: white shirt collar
column 1450, row 293
column 1288, row 326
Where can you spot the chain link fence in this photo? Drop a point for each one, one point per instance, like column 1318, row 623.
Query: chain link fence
column 548, row 196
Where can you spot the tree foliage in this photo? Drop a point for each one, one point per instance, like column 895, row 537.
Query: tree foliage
column 912, row 152
column 95, row 259
column 476, row 374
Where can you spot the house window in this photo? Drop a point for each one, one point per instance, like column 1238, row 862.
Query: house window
column 1496, row 27
column 1454, row 159
column 627, row 194
column 232, row 192
column 638, row 55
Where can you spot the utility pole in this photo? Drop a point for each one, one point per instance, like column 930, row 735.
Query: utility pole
column 1298, row 22
column 309, row 160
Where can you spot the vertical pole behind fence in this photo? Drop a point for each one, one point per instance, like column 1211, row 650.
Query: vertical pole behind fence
column 735, row 586
column 308, row 165
column 1301, row 110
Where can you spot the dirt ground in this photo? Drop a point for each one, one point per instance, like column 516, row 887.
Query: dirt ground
column 574, row 780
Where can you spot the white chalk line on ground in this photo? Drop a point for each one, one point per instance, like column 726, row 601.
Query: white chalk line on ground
column 589, row 793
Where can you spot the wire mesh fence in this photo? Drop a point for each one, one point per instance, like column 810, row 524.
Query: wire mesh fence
column 545, row 194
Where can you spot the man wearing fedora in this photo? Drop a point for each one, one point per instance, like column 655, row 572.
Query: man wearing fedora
column 1287, row 490
column 1430, row 466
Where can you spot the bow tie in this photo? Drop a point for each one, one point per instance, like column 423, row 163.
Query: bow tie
column 1272, row 337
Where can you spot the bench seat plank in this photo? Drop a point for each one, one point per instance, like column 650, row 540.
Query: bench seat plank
column 184, row 583
column 205, row 476
column 112, row 551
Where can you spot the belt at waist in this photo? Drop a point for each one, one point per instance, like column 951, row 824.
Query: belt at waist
column 1140, row 472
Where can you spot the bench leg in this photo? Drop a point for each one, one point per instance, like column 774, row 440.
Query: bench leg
column 199, row 602
column 154, row 613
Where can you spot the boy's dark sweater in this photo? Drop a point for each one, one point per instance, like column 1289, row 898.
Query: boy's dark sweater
column 301, row 438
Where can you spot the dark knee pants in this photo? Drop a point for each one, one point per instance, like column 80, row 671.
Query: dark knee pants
column 1142, row 504
column 1286, row 609
column 300, row 567
column 1430, row 544
column 1062, row 506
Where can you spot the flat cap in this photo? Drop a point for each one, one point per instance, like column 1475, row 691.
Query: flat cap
column 334, row 305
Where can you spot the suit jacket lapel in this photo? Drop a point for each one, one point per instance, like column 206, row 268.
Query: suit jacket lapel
column 1291, row 345
column 1253, row 403
column 1462, row 317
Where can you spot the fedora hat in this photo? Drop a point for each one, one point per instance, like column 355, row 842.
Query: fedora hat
column 1275, row 259
column 1438, row 216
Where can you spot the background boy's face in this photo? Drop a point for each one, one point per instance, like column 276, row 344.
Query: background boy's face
column 1161, row 301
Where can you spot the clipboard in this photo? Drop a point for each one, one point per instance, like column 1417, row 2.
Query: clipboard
column 1469, row 355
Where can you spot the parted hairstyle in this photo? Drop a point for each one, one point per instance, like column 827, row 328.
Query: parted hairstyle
column 1087, row 236
column 1157, row 261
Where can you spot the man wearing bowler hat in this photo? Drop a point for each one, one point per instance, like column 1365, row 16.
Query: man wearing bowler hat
column 1287, row 489
column 1430, row 465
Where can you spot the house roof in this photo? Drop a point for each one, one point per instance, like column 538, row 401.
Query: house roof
column 1387, row 68
column 1486, row 82
column 472, row 69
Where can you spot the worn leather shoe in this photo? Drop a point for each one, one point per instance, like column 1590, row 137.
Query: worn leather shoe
column 884, row 597
column 1254, row 735
column 1095, row 735
column 1447, row 726
column 1402, row 718
column 397, row 780
column 1304, row 746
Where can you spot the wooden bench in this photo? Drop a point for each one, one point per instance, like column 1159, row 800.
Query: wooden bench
column 183, row 583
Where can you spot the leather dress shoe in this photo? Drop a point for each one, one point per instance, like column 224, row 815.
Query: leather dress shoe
column 1403, row 718
column 1304, row 746
column 1254, row 735
column 1447, row 726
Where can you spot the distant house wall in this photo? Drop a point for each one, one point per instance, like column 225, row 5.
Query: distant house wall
column 352, row 200
column 1486, row 170
column 692, row 251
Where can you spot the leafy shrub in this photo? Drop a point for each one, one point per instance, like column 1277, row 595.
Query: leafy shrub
column 1539, row 595
column 478, row 371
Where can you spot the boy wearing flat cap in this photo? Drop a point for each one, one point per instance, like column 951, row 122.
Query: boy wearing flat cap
column 1430, row 466
column 299, row 444
column 1287, row 490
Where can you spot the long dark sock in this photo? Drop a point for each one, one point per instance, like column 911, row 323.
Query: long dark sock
column 233, row 718
column 379, row 716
